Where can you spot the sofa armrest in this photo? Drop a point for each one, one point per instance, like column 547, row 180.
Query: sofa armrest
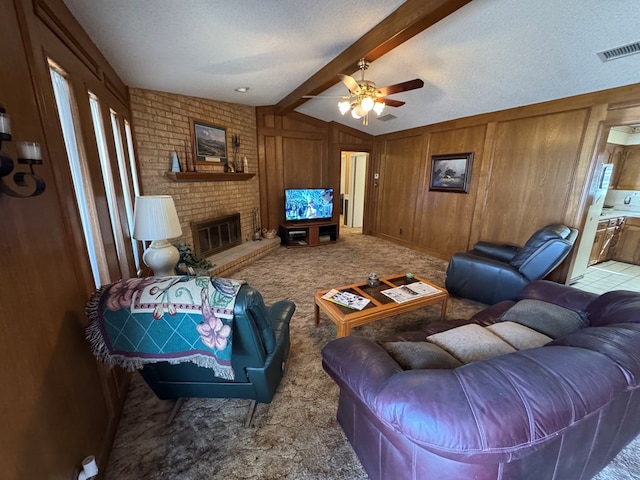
column 360, row 365
column 461, row 414
column 502, row 252
column 280, row 313
column 453, row 412
column 558, row 294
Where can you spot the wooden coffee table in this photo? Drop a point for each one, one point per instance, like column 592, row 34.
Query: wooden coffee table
column 379, row 307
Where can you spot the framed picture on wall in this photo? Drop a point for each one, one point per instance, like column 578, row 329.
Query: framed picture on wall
column 451, row 172
column 209, row 142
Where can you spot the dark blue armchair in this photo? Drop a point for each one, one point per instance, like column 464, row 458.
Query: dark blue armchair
column 259, row 356
column 491, row 273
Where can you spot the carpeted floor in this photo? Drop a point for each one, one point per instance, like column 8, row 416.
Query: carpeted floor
column 296, row 436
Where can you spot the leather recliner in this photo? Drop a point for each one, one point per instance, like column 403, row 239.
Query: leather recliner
column 260, row 351
column 491, row 273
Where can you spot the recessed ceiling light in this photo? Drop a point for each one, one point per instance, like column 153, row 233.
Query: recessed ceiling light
column 242, row 89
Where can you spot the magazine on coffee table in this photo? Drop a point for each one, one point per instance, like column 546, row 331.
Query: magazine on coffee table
column 413, row 291
column 346, row 299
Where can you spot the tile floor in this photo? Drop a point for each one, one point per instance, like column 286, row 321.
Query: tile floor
column 606, row 276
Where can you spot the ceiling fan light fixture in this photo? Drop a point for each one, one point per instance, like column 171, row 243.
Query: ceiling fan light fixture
column 378, row 107
column 344, row 106
column 359, row 111
column 367, row 103
column 364, row 96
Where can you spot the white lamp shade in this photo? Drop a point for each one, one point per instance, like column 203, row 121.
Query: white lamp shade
column 155, row 218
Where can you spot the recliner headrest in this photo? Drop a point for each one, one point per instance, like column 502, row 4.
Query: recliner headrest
column 538, row 239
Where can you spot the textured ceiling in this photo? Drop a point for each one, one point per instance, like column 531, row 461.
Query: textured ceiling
column 487, row 56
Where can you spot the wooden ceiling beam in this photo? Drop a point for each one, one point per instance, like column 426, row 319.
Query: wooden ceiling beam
column 411, row 18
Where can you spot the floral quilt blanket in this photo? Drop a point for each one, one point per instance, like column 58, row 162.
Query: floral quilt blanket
column 164, row 319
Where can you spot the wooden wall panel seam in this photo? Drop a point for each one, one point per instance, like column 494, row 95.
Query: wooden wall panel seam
column 576, row 163
column 486, row 166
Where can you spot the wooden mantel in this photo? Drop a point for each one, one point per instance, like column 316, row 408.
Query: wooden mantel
column 208, row 176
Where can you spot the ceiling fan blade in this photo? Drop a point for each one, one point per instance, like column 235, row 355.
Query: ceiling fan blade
column 401, row 87
column 391, row 103
column 350, row 82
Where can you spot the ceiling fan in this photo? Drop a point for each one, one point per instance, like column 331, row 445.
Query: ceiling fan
column 364, row 96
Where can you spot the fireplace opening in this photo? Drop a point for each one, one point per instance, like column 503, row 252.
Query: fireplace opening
column 216, row 235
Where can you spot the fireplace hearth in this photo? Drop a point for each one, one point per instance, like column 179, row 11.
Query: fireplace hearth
column 216, row 235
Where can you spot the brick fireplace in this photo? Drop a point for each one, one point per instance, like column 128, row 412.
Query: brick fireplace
column 219, row 240
column 215, row 235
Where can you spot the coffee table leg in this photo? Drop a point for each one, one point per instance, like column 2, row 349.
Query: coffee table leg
column 317, row 311
column 443, row 314
column 343, row 330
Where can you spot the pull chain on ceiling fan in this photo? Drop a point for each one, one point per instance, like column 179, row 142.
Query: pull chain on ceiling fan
column 364, row 96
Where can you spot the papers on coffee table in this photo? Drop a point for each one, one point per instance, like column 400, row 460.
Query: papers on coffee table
column 346, row 299
column 413, row 291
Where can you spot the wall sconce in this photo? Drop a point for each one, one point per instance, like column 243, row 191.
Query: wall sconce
column 29, row 154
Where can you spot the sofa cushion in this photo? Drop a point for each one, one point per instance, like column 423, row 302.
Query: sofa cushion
column 547, row 318
column 471, row 343
column 519, row 336
column 418, row 355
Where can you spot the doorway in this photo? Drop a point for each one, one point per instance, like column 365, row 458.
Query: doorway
column 353, row 174
column 602, row 262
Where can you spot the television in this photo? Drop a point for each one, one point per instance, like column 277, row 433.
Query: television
column 308, row 204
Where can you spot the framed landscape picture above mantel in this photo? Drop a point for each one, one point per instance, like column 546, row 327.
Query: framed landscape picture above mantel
column 451, row 172
column 209, row 142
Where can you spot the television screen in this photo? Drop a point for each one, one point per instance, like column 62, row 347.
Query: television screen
column 308, row 203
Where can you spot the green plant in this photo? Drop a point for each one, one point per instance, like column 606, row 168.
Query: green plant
column 190, row 259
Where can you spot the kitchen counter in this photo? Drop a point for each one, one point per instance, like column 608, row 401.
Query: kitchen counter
column 609, row 213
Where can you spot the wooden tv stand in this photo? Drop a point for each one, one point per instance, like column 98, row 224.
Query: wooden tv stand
column 308, row 234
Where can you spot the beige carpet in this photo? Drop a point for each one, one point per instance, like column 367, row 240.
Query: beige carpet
column 296, row 436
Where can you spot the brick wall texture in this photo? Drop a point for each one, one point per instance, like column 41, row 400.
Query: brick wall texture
column 162, row 123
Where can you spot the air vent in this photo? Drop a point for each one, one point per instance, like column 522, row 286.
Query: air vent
column 618, row 52
column 387, row 117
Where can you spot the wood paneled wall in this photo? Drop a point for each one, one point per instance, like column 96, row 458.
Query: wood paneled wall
column 443, row 219
column 521, row 178
column 296, row 151
column 57, row 404
column 532, row 163
column 399, row 185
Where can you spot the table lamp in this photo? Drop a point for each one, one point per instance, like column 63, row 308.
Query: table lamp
column 155, row 218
